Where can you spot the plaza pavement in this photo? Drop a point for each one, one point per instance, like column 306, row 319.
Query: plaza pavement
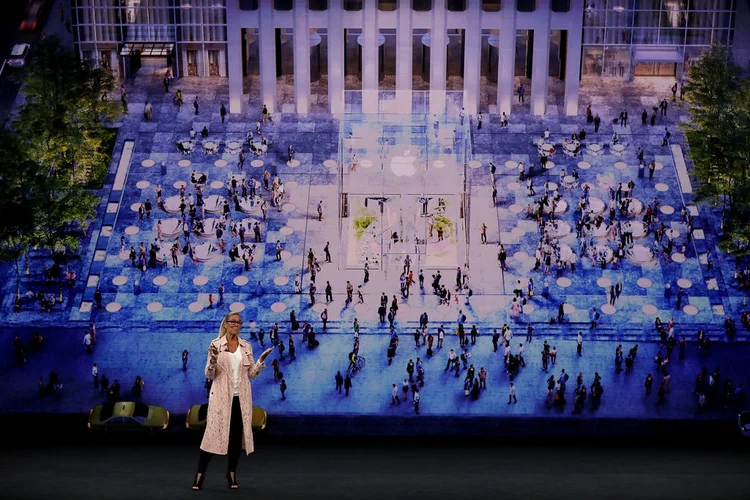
column 144, row 334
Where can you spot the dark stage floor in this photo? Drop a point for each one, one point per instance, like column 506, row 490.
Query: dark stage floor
column 155, row 467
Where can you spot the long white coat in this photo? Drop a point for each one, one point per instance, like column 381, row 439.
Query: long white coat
column 216, row 437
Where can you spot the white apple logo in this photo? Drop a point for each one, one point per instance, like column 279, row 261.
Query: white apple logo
column 403, row 165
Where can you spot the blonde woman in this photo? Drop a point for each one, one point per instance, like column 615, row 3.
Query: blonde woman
column 228, row 425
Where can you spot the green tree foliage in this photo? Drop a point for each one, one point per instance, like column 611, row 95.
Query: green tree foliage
column 16, row 224
column 718, row 136
column 55, row 149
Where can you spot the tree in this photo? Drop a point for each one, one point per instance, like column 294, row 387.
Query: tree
column 61, row 129
column 63, row 120
column 719, row 125
column 16, row 225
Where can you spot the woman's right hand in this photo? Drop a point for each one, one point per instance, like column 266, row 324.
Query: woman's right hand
column 213, row 353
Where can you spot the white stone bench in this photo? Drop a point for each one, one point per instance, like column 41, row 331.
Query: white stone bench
column 682, row 173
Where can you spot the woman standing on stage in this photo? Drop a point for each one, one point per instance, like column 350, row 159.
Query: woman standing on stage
column 230, row 409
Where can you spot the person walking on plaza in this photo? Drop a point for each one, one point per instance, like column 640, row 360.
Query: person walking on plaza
column 320, row 210
column 95, row 374
column 394, row 395
column 347, row 384
column 229, row 421
column 579, row 342
column 324, row 319
column 282, row 388
column 184, row 359
column 415, row 400
column 597, row 122
column 521, row 94
column 512, row 394
column 195, row 104
column 222, row 112
column 479, row 120
column 594, row 318
column 339, row 381
column 87, row 342
column 665, row 139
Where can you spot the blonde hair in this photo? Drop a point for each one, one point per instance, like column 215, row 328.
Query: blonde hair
column 223, row 326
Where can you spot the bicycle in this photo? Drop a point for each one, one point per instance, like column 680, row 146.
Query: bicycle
column 359, row 364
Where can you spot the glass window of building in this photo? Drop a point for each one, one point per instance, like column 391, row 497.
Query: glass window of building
column 387, row 5
column 491, row 5
column 283, row 4
column 421, row 5
column 318, row 4
column 526, row 5
column 354, row 5
column 248, row 4
column 456, row 5
column 560, row 5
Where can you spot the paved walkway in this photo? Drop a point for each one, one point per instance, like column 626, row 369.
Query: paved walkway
column 144, row 333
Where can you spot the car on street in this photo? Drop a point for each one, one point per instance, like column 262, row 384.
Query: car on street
column 128, row 416
column 32, row 17
column 743, row 422
column 18, row 54
column 196, row 417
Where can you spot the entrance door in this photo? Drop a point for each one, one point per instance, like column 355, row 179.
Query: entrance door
column 655, row 69
column 192, row 62
column 213, row 63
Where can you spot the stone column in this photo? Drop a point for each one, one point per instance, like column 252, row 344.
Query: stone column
column 540, row 68
column 506, row 61
column 301, row 58
column 335, row 58
column 573, row 59
column 438, row 56
column 234, row 57
column 267, row 51
column 472, row 56
column 404, row 55
column 370, row 49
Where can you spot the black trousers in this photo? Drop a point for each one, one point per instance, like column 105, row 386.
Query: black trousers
column 235, row 441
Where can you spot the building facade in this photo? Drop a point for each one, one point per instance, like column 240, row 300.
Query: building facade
column 466, row 53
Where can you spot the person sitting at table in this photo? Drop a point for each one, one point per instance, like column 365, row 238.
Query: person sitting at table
column 615, row 138
column 204, row 132
column 253, row 149
column 70, row 276
column 574, row 173
column 264, row 141
column 574, row 137
column 192, row 133
column 181, row 147
column 582, row 134
column 540, row 142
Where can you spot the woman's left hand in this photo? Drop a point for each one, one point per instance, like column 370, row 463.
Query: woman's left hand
column 265, row 354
